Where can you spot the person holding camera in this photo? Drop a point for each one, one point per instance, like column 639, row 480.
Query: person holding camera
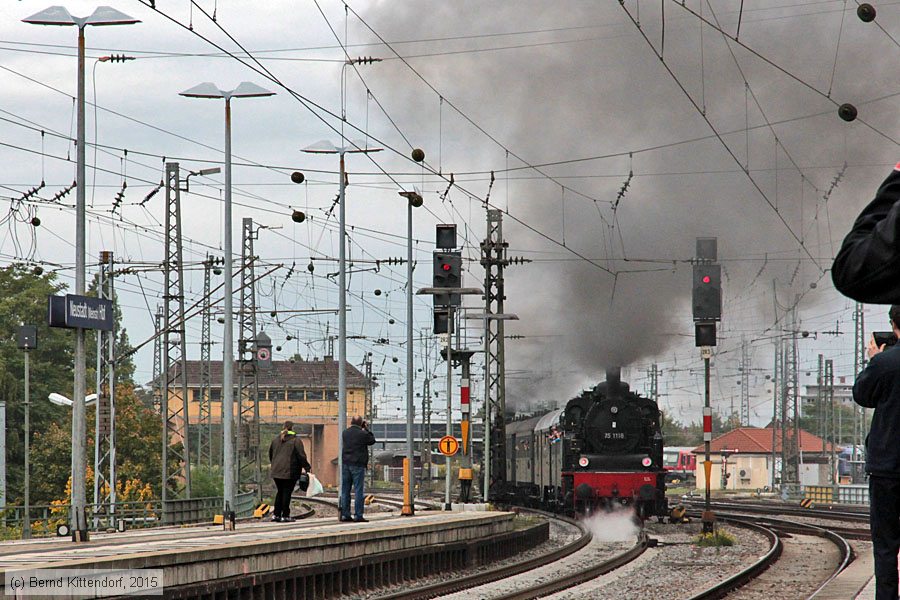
column 356, row 440
column 287, row 457
column 878, row 387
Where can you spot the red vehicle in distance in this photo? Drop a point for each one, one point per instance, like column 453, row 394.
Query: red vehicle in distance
column 680, row 464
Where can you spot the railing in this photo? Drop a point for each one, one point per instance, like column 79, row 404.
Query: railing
column 45, row 519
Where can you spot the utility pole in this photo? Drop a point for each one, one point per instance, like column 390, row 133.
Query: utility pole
column 777, row 402
column 157, row 360
column 105, row 423
column 821, row 413
column 204, row 422
column 176, row 465
column 26, row 339
column 835, row 435
column 745, row 383
column 790, row 432
column 249, row 468
column 494, row 259
column 654, row 383
column 860, row 419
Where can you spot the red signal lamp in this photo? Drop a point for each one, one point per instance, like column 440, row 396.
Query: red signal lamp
column 706, row 279
column 445, row 267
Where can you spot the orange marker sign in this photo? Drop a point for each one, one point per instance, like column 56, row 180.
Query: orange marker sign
column 448, row 445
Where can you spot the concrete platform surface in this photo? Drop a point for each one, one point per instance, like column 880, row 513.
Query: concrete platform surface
column 201, row 554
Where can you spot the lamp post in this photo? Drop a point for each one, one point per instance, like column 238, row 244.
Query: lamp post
column 414, row 200
column 244, row 90
column 486, row 434
column 326, row 147
column 57, row 15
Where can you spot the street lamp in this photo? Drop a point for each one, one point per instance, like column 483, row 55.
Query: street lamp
column 57, row 15
column 326, row 147
column 486, row 435
column 414, row 199
column 244, row 90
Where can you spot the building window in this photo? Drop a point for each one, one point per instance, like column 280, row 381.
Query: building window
column 331, row 395
column 315, row 395
column 295, row 395
column 215, row 395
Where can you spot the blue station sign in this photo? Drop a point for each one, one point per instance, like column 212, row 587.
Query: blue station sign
column 73, row 311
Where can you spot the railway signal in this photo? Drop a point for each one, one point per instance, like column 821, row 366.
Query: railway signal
column 448, row 445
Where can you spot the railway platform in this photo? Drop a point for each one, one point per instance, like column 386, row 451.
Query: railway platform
column 310, row 558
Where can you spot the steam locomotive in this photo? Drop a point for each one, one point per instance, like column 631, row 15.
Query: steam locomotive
column 604, row 449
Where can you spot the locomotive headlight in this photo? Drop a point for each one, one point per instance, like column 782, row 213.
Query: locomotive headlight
column 583, row 461
column 646, row 461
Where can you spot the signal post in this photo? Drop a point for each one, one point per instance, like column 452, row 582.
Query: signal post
column 706, row 296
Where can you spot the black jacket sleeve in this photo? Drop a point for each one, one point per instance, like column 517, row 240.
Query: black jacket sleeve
column 370, row 438
column 867, row 267
column 868, row 387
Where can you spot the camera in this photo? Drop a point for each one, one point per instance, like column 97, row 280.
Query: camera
column 884, row 338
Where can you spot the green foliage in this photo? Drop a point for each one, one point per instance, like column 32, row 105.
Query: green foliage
column 676, row 433
column 206, row 481
column 138, row 450
column 820, row 422
column 719, row 537
column 23, row 299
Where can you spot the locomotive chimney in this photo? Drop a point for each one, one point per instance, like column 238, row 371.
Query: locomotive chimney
column 613, row 377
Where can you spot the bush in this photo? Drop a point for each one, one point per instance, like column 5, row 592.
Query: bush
column 718, row 538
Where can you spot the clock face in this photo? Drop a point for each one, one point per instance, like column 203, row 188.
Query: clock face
column 263, row 354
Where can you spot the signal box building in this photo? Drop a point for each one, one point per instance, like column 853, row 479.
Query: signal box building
column 742, row 459
column 305, row 392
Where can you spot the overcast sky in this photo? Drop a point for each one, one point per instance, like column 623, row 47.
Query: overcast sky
column 635, row 157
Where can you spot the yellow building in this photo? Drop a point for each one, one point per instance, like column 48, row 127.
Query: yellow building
column 304, row 392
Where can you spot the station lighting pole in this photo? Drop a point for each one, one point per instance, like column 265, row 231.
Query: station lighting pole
column 244, row 90
column 58, row 15
column 326, row 147
column 414, row 201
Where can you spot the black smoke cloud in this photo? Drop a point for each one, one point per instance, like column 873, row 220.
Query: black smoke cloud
column 610, row 94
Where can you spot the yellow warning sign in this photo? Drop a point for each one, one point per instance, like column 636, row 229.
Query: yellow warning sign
column 465, row 436
column 448, row 445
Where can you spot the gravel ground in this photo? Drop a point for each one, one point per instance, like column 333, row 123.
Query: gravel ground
column 561, row 533
column 676, row 559
column 806, row 562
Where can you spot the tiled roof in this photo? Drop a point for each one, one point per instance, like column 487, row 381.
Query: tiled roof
column 284, row 374
column 755, row 440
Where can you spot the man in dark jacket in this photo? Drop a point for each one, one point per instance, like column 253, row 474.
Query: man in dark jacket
column 356, row 440
column 288, row 458
column 867, row 267
column 878, row 387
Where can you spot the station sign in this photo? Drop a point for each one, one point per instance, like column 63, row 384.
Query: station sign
column 448, row 445
column 72, row 312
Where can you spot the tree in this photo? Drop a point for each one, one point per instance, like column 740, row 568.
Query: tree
column 138, row 448
column 23, row 299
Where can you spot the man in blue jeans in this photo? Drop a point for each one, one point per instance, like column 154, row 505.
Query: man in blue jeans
column 355, row 458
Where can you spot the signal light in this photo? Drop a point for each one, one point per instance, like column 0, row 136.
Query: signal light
column 707, row 292
column 706, row 279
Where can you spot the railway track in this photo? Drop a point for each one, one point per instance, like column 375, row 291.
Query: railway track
column 772, row 527
column 466, row 582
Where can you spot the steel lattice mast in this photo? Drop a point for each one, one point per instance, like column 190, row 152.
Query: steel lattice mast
column 176, row 466
column 204, row 420
column 777, row 406
column 493, row 259
column 859, row 362
column 248, row 407
column 105, row 429
column 745, row 383
column 157, row 360
column 790, row 433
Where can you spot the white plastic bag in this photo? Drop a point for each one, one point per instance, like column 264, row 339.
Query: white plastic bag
column 315, row 486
